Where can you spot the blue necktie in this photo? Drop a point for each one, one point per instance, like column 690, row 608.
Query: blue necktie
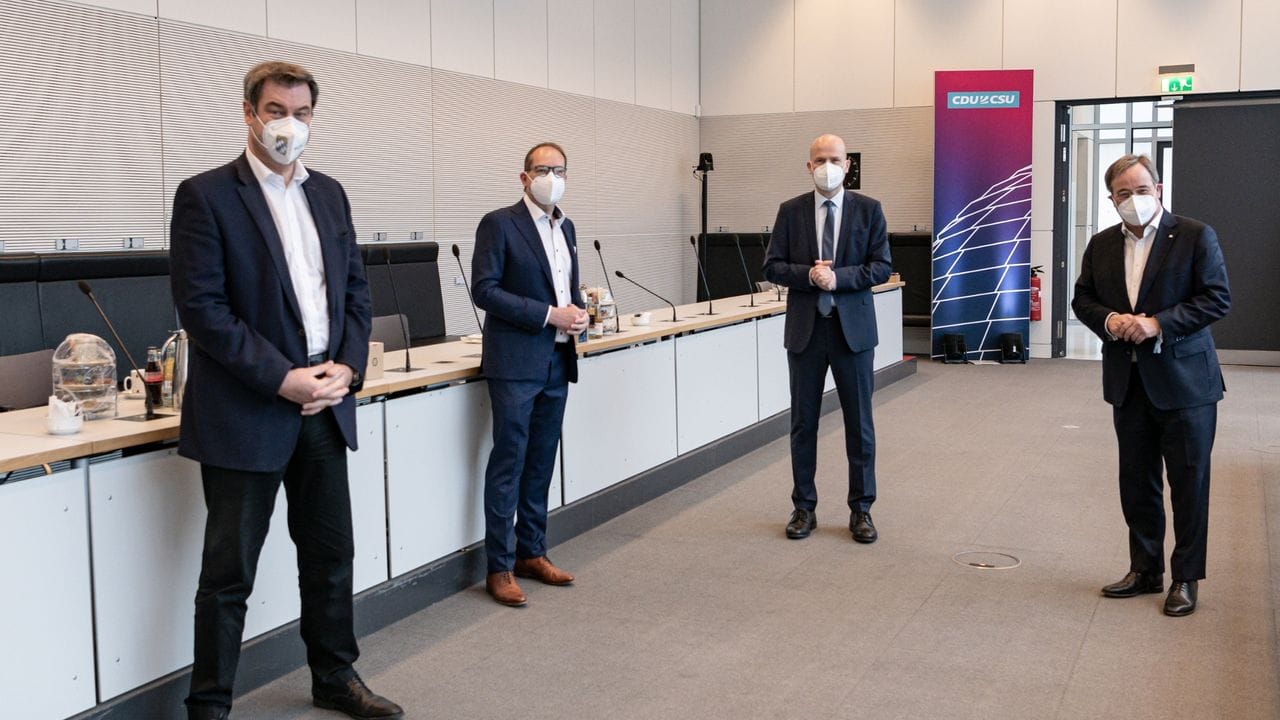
column 825, row 301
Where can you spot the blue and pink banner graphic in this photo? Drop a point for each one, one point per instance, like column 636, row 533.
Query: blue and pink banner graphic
column 981, row 208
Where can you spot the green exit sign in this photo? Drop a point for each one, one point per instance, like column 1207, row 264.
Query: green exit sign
column 1177, row 83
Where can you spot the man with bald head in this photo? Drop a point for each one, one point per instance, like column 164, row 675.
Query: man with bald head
column 829, row 247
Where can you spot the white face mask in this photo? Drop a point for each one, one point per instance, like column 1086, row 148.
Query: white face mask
column 1138, row 210
column 284, row 139
column 547, row 189
column 828, row 176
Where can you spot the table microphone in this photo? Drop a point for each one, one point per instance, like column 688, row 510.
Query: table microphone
column 457, row 255
column 764, row 245
column 751, row 287
column 403, row 319
column 705, row 286
column 633, row 282
column 609, row 284
column 151, row 413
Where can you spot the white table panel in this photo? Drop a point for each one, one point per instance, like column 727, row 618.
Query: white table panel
column 621, row 417
column 716, row 384
column 889, row 328
column 46, row 622
column 771, row 359
column 148, row 532
column 367, row 477
column 438, row 444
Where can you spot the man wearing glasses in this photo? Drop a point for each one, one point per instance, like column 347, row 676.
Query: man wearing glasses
column 525, row 277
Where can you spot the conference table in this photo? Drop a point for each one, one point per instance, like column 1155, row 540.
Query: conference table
column 101, row 531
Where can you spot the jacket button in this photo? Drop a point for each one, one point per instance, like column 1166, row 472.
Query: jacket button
column 302, row 332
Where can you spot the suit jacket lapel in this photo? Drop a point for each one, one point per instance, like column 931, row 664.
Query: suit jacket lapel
column 1115, row 255
column 524, row 221
column 810, row 229
column 846, row 231
column 1161, row 242
column 251, row 194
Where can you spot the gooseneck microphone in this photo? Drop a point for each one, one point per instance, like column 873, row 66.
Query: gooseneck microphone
column 703, row 273
column 764, row 245
column 151, row 413
column 751, row 287
column 457, row 255
column 609, row 284
column 633, row 282
column 403, row 320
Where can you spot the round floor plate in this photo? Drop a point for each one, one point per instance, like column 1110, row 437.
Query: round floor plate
column 983, row 560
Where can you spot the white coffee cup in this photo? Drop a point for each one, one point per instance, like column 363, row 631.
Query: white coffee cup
column 133, row 383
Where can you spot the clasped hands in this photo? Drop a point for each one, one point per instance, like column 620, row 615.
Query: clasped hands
column 317, row 387
column 822, row 275
column 1133, row 328
column 570, row 319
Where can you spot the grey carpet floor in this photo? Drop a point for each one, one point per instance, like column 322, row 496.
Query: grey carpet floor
column 696, row 606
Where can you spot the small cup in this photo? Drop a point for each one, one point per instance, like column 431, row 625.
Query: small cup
column 63, row 425
column 133, row 383
column 641, row 318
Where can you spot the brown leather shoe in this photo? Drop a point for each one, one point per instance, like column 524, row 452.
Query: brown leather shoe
column 504, row 589
column 541, row 569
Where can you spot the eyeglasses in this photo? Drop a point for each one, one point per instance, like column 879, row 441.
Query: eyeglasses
column 542, row 170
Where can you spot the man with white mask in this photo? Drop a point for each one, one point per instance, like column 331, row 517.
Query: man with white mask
column 268, row 283
column 524, row 275
column 830, row 247
column 1150, row 287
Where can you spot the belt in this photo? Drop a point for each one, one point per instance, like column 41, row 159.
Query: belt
column 317, row 359
column 835, row 315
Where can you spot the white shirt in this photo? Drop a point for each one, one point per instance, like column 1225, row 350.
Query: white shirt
column 301, row 242
column 1136, row 251
column 820, row 219
column 551, row 231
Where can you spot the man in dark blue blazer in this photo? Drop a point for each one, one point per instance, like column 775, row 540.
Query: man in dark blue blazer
column 268, row 283
column 829, row 247
column 525, row 277
column 1150, row 287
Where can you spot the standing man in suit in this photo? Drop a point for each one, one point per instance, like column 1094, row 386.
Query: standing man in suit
column 268, row 283
column 525, row 277
column 1150, row 287
column 829, row 247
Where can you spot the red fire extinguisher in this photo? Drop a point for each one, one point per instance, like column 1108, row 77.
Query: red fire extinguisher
column 1035, row 291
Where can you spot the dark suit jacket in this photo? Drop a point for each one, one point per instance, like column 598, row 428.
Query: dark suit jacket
column 511, row 281
column 234, row 296
column 1184, row 287
column 862, row 261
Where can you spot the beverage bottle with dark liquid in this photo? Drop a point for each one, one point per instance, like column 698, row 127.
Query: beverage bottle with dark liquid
column 153, row 376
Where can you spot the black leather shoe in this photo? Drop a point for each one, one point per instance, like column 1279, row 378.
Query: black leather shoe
column 356, row 700
column 1134, row 584
column 864, row 531
column 1181, row 600
column 207, row 712
column 802, row 523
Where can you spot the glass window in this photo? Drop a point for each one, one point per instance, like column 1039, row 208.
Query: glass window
column 1113, row 114
column 1167, row 181
column 1141, row 133
column 1142, row 111
column 1083, row 114
column 1164, row 133
column 1116, row 134
column 1143, row 148
column 1106, row 215
column 1164, row 113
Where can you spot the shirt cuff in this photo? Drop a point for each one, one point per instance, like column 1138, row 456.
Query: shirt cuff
column 1106, row 325
column 547, row 320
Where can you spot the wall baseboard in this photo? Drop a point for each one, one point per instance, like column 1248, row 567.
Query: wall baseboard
column 280, row 652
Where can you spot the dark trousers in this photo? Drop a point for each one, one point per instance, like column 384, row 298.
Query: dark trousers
column 240, row 505
column 855, row 381
column 527, row 415
column 1180, row 443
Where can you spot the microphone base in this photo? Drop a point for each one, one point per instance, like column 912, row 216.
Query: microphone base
column 403, row 370
column 146, row 418
column 708, row 313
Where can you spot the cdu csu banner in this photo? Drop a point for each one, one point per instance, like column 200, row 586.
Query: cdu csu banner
column 981, row 208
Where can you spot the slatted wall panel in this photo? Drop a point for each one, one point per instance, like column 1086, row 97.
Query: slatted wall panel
column 372, row 127
column 79, row 127
column 760, row 162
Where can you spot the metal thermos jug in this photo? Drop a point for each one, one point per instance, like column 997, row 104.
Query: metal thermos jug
column 174, row 352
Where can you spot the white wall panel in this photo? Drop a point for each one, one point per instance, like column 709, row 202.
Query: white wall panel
column 46, row 616
column 615, row 38
column 684, row 55
column 774, row 376
column 748, row 56
column 653, row 53
column 394, row 29
column 1043, row 135
column 462, row 36
column 366, row 472
column 1070, row 46
column 246, row 16
column 1171, row 32
column 520, row 31
column 1259, row 51
column 571, row 57
column 855, row 74
column 936, row 35
column 322, row 23
column 716, row 384
column 888, row 328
